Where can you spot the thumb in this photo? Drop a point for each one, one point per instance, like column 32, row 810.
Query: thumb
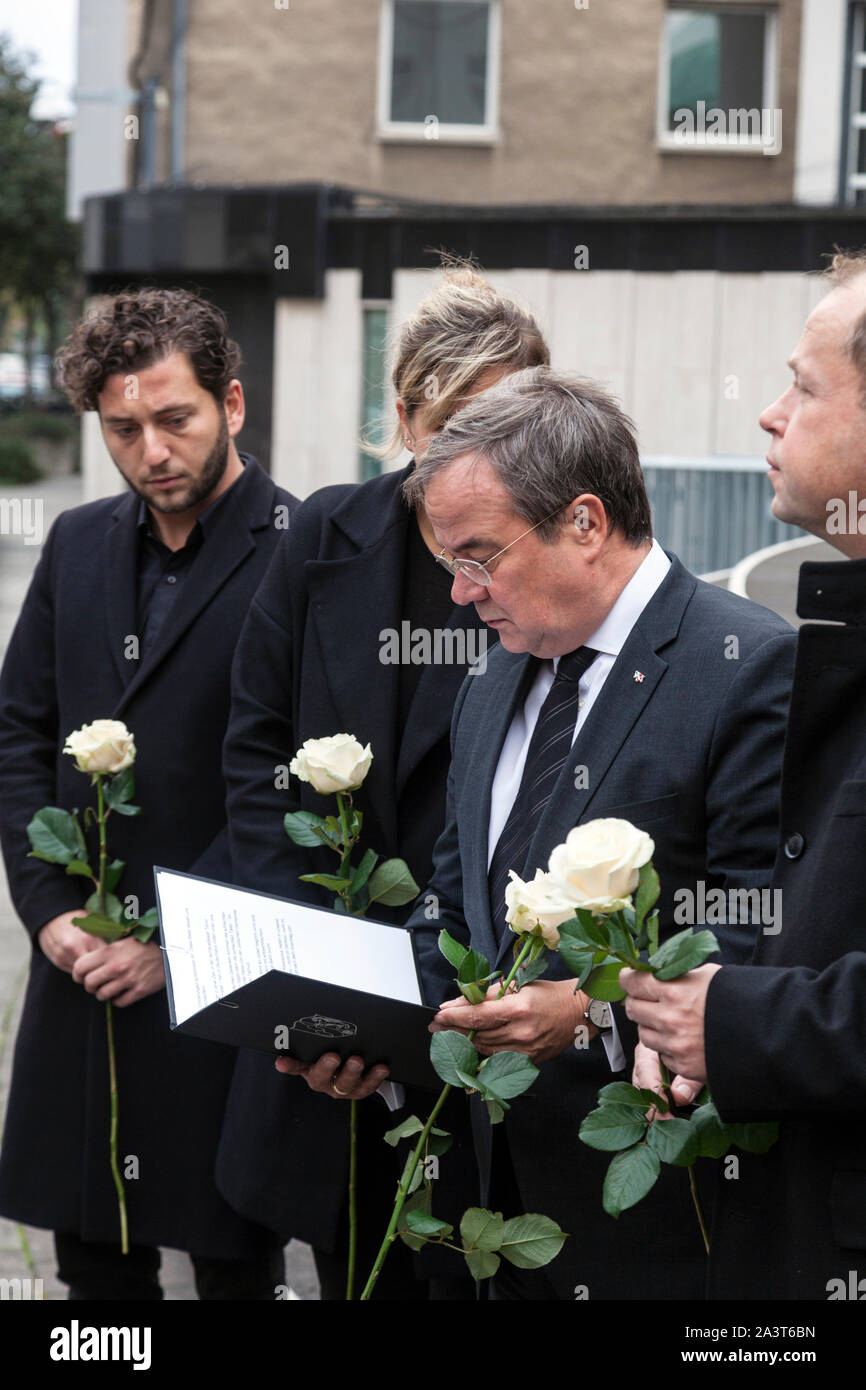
column 683, row 1090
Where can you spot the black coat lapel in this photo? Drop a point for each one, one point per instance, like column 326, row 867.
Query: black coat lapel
column 353, row 601
column 120, row 567
column 228, row 543
column 429, row 717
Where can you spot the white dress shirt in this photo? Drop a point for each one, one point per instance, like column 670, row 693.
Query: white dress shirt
column 608, row 640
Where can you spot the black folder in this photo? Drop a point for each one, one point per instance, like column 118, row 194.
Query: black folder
column 290, row 1015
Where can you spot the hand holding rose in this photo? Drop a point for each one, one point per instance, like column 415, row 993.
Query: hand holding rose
column 670, row 1015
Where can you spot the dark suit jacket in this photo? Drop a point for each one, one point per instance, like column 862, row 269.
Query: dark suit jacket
column 691, row 754
column 308, row 665
column 788, row 1041
column 65, row 667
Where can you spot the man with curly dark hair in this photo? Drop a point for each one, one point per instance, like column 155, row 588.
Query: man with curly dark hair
column 133, row 614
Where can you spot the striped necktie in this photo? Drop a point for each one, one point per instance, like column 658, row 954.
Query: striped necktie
column 548, row 749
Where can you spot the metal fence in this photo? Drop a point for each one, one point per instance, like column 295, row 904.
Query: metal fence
column 712, row 511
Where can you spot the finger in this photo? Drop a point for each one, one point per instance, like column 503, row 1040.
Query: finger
column 290, row 1066
column 639, row 984
column 112, row 987
column 684, row 1090
column 457, row 1003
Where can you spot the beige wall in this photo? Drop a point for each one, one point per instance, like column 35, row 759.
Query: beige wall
column 279, row 95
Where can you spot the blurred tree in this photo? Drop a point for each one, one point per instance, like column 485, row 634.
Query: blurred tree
column 38, row 246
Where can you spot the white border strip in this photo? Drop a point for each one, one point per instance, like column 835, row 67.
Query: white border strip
column 737, row 584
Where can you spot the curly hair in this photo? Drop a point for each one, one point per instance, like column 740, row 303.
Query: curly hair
column 139, row 327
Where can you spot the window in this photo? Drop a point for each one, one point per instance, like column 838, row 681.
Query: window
column 853, row 188
column 438, row 70
column 375, row 425
column 717, row 88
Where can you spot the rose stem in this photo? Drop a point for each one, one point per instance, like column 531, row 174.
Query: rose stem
column 666, row 1081
column 406, row 1181
column 353, row 1199
column 112, row 1066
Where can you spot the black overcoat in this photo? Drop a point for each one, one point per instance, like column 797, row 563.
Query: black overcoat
column 309, row 664
column 788, row 1041
column 67, row 665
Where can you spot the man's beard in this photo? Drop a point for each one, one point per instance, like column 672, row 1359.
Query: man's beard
column 211, row 475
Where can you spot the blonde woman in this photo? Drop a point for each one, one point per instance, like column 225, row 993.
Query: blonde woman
column 318, row 656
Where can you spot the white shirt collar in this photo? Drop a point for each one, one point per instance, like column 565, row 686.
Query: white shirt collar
column 613, row 631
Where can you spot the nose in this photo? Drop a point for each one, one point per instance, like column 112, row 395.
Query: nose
column 465, row 590
column 773, row 418
column 155, row 450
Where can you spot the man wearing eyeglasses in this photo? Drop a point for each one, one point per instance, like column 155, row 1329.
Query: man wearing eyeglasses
column 622, row 686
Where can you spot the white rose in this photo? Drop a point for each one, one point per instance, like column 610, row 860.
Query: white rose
column 106, row 745
column 537, row 908
column 334, row 764
column 599, row 865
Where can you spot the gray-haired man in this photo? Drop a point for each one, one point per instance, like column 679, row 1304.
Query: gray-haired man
column 662, row 701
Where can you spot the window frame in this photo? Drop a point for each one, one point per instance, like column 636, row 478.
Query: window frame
column 485, row 133
column 667, row 141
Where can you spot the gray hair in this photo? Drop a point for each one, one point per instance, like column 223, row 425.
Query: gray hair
column 548, row 437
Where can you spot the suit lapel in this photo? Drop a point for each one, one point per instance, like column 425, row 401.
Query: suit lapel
column 119, row 568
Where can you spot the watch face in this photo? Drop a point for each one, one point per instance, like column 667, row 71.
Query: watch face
column 599, row 1013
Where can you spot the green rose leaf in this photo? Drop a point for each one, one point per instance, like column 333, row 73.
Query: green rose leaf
column 469, row 1082
column 56, row 836
column 647, row 893
column 439, row 1142
column 505, row 1075
column 79, row 866
column 474, row 994
column 675, row 1141
column 620, row 940
column 603, row 982
column 629, row 1178
column 578, row 958
column 532, row 970
column 495, row 1111
column 452, row 950
column 126, row 808
column 613, row 1127
column 332, row 831
column 585, row 931
column 112, row 874
column 417, row 1176
column 412, row 1125
column 482, row 1230
column 423, row 1224
column 363, row 871
column 332, row 881
column 448, row 1052
column 97, row 925
column 531, row 1241
column 392, row 884
column 682, row 952
column 482, row 1263
column 713, row 1139
column 754, row 1138
column 113, row 908
column 473, row 968
column 119, row 789
column 621, row 1093
column 304, row 828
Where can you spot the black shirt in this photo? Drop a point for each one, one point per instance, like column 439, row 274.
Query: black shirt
column 162, row 573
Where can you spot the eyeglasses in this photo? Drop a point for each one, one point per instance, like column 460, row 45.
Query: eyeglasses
column 476, row 571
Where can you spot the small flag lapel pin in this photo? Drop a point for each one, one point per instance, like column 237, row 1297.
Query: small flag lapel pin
column 638, row 676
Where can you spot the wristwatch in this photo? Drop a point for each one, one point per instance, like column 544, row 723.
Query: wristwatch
column 600, row 1015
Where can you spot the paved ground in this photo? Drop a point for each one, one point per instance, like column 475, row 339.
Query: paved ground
column 24, row 1251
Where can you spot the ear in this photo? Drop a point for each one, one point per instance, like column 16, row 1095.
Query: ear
column 234, row 407
column 587, row 519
